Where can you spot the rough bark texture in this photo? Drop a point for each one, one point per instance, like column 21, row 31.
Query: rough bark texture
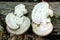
column 7, row 7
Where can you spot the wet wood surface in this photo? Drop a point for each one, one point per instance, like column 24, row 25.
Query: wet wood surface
column 7, row 7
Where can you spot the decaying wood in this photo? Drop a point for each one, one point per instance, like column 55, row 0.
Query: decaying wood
column 7, row 7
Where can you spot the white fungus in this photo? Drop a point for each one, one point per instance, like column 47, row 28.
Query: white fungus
column 16, row 22
column 41, row 22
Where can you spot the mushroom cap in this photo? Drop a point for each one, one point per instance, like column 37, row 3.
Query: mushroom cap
column 42, row 30
column 20, row 6
column 40, row 15
column 11, row 21
column 12, row 27
column 39, row 10
column 20, row 10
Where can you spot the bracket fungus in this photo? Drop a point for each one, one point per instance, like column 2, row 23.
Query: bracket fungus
column 16, row 22
column 41, row 22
